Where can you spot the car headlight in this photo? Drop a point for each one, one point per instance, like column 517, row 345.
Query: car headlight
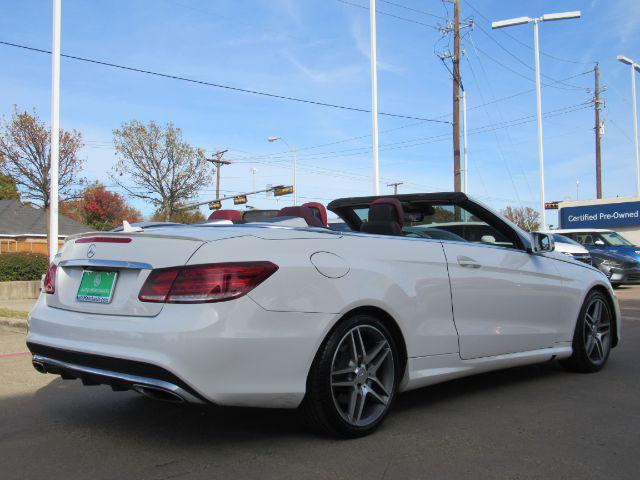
column 611, row 263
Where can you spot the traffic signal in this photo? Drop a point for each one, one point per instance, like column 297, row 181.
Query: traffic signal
column 240, row 200
column 215, row 205
column 551, row 205
column 282, row 190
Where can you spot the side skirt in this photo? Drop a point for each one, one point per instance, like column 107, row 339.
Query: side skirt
column 423, row 371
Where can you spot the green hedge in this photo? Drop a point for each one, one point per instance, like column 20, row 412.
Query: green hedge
column 22, row 266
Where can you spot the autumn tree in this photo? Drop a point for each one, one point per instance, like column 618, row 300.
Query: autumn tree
column 525, row 217
column 8, row 189
column 99, row 208
column 156, row 165
column 25, row 157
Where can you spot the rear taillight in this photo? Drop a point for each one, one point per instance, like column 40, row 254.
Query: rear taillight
column 50, row 279
column 216, row 282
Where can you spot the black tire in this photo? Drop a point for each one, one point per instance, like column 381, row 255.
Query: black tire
column 589, row 355
column 322, row 408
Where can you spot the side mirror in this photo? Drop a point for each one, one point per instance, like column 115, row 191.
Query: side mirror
column 541, row 242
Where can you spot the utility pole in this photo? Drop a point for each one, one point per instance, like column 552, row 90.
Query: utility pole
column 598, row 134
column 395, row 186
column 218, row 162
column 457, row 184
column 465, row 156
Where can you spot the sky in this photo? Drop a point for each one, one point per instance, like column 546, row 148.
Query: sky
column 319, row 50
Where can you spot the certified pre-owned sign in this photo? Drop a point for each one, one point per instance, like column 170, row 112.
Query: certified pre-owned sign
column 624, row 214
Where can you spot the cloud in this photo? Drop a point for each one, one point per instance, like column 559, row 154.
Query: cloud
column 325, row 75
column 361, row 36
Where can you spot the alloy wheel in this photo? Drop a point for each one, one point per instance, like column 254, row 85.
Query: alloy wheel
column 597, row 331
column 362, row 375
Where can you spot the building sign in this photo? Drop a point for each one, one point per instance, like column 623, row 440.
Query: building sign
column 624, row 214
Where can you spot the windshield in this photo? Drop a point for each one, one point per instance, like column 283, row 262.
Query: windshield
column 614, row 239
column 562, row 239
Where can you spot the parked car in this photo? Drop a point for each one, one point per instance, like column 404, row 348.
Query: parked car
column 570, row 248
column 620, row 269
column 606, row 240
column 334, row 323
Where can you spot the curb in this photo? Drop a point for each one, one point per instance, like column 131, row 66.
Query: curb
column 14, row 323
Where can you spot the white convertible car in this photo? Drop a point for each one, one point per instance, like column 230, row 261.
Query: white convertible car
column 287, row 313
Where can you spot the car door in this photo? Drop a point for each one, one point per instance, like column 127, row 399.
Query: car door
column 505, row 300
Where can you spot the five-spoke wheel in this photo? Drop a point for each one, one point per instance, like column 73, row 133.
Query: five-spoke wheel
column 354, row 378
column 592, row 338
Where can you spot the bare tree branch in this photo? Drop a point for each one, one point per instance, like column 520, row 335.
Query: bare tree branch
column 165, row 170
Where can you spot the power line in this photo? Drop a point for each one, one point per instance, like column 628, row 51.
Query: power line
column 415, row 10
column 397, row 17
column 219, row 85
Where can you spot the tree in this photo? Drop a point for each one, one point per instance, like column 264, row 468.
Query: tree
column 179, row 216
column 8, row 189
column 525, row 217
column 165, row 170
column 25, row 157
column 99, row 208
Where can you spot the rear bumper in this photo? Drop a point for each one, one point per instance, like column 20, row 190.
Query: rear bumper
column 228, row 353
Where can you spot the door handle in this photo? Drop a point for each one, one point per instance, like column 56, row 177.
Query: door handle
column 468, row 262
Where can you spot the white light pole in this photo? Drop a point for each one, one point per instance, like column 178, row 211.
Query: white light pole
column 374, row 94
column 294, row 157
column 55, row 130
column 465, row 158
column 634, row 66
column 577, row 190
column 521, row 21
column 253, row 178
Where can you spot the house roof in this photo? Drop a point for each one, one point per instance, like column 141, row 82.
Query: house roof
column 19, row 219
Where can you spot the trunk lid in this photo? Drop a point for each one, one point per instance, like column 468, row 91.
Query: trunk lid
column 131, row 256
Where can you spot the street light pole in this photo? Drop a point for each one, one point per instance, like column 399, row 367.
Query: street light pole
column 539, row 117
column 294, row 156
column 634, row 66
column 374, row 95
column 55, row 130
column 521, row 21
column 253, row 177
column 465, row 158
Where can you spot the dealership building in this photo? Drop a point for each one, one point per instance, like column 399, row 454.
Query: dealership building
column 621, row 215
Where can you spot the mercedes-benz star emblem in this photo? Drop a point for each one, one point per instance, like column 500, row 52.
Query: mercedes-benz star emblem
column 91, row 251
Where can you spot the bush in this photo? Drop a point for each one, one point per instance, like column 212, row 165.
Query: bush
column 22, row 266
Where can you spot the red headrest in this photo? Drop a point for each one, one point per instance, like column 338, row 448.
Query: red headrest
column 234, row 215
column 301, row 212
column 395, row 203
column 319, row 210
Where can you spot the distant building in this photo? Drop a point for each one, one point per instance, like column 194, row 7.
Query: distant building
column 24, row 228
column 621, row 215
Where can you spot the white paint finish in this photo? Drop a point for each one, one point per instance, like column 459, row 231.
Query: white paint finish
column 517, row 307
column 329, row 264
column 508, row 301
column 230, row 352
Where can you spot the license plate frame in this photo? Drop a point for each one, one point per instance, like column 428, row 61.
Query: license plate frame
column 97, row 286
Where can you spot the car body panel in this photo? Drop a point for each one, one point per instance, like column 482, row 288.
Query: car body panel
column 257, row 350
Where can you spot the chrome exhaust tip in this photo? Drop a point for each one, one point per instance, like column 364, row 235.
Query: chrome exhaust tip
column 39, row 366
column 157, row 393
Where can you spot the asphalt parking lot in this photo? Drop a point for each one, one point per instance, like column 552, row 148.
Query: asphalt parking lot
column 530, row 422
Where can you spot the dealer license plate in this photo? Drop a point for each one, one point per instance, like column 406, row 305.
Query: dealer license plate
column 96, row 286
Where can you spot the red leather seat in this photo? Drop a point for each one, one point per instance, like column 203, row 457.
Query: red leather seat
column 386, row 217
column 319, row 211
column 302, row 212
column 234, row 215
